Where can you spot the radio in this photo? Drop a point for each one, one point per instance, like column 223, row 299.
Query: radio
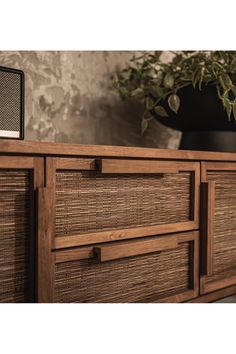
column 11, row 103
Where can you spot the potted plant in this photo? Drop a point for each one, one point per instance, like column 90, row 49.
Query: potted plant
column 195, row 92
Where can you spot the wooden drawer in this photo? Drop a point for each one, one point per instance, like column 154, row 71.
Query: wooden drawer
column 218, row 226
column 19, row 177
column 153, row 269
column 101, row 200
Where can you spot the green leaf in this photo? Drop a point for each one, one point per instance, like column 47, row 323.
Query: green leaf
column 233, row 89
column 124, row 92
column 223, row 55
column 149, row 103
column 144, row 125
column 168, row 81
column 160, row 74
column 161, row 111
column 219, row 93
column 196, row 76
column 228, row 106
column 201, row 78
column 225, row 81
column 234, row 110
column 138, row 93
column 156, row 91
column 174, row 102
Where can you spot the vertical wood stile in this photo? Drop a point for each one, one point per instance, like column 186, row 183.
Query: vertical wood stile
column 207, row 224
column 46, row 227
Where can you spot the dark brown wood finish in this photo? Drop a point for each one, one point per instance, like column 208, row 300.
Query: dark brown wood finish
column 207, row 225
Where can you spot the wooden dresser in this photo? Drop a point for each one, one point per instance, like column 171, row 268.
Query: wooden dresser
column 115, row 224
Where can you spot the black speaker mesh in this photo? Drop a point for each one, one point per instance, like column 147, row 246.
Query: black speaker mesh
column 11, row 103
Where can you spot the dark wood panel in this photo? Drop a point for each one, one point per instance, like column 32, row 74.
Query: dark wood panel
column 207, row 226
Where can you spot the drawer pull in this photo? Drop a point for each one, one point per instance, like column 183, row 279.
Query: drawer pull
column 132, row 166
column 129, row 249
column 207, row 225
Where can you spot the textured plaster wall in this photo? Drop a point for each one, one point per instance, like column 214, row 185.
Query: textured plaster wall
column 69, row 99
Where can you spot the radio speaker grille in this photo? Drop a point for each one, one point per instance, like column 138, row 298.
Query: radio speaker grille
column 11, row 103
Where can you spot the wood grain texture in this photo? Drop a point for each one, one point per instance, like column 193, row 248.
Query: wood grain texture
column 108, row 236
column 19, row 163
column 207, row 226
column 75, row 164
column 224, row 281
column 46, row 258
column 86, row 252
column 183, row 297
column 36, row 248
column 129, row 249
column 139, row 166
column 196, row 263
column 47, row 148
column 214, row 296
column 219, row 166
column 38, row 166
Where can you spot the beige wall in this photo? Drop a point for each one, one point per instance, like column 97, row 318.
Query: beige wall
column 69, row 99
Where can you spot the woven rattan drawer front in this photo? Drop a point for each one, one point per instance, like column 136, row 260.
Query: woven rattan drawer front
column 88, row 202
column 223, row 236
column 91, row 202
column 15, row 194
column 167, row 275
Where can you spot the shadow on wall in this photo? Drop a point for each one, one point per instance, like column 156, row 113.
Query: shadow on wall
column 69, row 98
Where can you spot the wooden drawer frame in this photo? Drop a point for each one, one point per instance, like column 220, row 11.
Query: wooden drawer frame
column 207, row 227
column 36, row 166
column 123, row 249
column 46, row 216
column 122, row 166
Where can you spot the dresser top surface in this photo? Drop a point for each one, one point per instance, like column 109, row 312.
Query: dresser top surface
column 24, row 147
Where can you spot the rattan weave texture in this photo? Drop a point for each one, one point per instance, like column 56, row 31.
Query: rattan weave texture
column 224, row 238
column 14, row 235
column 134, row 279
column 87, row 201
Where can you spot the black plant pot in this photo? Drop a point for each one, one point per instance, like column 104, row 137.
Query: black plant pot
column 203, row 121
